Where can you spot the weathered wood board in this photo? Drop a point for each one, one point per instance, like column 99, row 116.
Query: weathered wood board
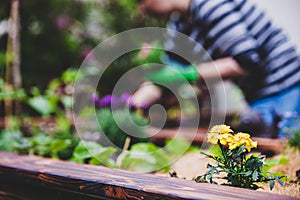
column 32, row 177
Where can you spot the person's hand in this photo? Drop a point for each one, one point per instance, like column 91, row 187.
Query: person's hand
column 174, row 74
column 146, row 95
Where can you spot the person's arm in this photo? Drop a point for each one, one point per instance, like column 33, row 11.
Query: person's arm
column 221, row 68
column 146, row 94
column 230, row 34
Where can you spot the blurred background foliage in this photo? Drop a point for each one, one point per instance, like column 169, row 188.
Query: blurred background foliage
column 58, row 34
column 55, row 38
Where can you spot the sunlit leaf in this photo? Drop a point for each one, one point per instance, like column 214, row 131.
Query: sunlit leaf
column 255, row 175
column 42, row 105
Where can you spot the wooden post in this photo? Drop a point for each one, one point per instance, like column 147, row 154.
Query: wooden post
column 13, row 72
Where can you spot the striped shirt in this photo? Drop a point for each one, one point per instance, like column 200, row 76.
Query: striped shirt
column 238, row 29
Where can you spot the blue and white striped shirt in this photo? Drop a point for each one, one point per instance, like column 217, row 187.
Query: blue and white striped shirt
column 238, row 29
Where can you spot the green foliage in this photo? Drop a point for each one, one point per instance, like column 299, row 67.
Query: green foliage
column 115, row 125
column 147, row 157
column 2, row 59
column 10, row 94
column 58, row 34
column 155, row 55
column 24, row 136
column 118, row 16
column 121, row 15
column 42, row 104
column 144, row 157
column 178, row 147
column 241, row 170
column 50, row 42
column 45, row 145
column 57, row 96
column 294, row 141
column 270, row 163
column 93, row 153
column 40, row 144
column 12, row 141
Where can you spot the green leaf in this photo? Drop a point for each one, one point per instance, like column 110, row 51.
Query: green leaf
column 241, row 150
column 177, row 146
column 104, row 157
column 42, row 140
column 272, row 184
column 215, row 151
column 270, row 163
column 144, row 157
column 35, row 91
column 13, row 141
column 85, row 149
column 294, row 141
column 255, row 175
column 279, row 181
column 54, row 84
column 67, row 101
column 248, row 173
column 97, row 153
column 62, row 125
column 69, row 76
column 117, row 127
column 42, row 105
column 58, row 145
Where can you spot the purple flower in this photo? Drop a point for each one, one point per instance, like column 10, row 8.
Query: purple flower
column 115, row 102
column 95, row 98
column 124, row 98
column 62, row 22
column 145, row 106
column 108, row 100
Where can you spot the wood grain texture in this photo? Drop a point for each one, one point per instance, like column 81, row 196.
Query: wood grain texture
column 199, row 136
column 52, row 179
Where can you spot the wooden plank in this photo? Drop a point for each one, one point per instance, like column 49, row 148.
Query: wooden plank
column 264, row 144
column 96, row 182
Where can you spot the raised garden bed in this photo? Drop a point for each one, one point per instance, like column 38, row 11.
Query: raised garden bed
column 32, row 177
column 268, row 146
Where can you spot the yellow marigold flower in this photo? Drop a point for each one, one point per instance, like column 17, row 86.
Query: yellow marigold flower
column 242, row 139
column 215, row 132
column 233, row 145
column 242, row 136
column 226, row 138
column 254, row 144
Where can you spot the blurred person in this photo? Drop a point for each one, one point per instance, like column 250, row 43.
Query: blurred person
column 245, row 46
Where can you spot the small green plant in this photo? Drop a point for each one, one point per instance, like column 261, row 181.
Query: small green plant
column 240, row 169
column 52, row 135
column 114, row 123
column 147, row 157
column 144, row 157
column 93, row 153
column 41, row 144
column 295, row 140
column 141, row 157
